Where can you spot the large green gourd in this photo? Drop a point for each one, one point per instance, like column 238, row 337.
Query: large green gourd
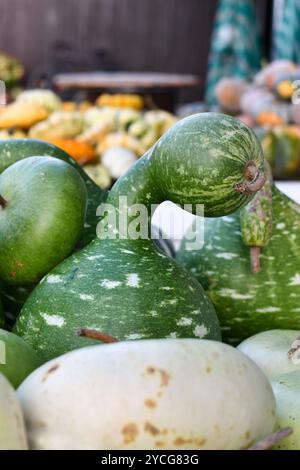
column 125, row 287
column 11, row 151
column 248, row 303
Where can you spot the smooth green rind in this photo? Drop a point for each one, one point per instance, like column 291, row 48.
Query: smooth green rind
column 19, row 358
column 247, row 304
column 126, row 288
column 11, row 151
column 43, row 218
column 286, row 389
column 202, row 157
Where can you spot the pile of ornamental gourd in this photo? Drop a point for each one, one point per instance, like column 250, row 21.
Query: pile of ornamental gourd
column 109, row 343
column 107, row 136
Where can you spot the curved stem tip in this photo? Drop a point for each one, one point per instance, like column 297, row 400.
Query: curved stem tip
column 254, row 180
column 270, row 441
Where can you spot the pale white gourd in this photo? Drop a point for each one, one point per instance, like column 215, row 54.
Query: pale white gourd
column 118, row 160
column 276, row 352
column 151, row 394
column 12, row 429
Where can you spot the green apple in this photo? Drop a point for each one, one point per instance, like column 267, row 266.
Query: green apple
column 276, row 352
column 17, row 358
column 42, row 212
column 286, row 389
column 12, row 429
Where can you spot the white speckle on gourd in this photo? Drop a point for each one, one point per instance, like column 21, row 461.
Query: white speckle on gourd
column 233, row 294
column 280, row 226
column 134, row 336
column 94, row 257
column 227, row 256
column 184, row 321
column 268, row 310
column 153, row 313
column 200, row 331
column 295, row 281
column 128, row 252
column 172, row 335
column 107, row 284
column 53, row 320
column 133, row 280
column 53, row 279
column 86, row 297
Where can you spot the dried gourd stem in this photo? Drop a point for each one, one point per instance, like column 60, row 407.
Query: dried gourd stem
column 251, row 171
column 270, row 441
column 98, row 335
column 3, row 202
column 255, row 258
column 254, row 180
column 251, row 187
column 294, row 351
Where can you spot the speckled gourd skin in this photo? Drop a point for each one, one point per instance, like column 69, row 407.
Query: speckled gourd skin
column 248, row 303
column 126, row 288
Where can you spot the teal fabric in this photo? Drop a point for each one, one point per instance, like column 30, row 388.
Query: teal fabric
column 286, row 35
column 235, row 47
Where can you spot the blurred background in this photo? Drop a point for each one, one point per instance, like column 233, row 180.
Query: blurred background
column 104, row 79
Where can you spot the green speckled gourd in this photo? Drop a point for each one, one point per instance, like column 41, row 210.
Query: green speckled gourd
column 248, row 303
column 11, row 151
column 126, row 288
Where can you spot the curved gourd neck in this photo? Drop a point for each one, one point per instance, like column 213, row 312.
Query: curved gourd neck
column 139, row 185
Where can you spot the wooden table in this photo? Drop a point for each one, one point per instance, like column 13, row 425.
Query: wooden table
column 162, row 87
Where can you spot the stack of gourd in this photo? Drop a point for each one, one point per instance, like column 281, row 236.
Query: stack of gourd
column 108, row 137
column 270, row 105
column 165, row 352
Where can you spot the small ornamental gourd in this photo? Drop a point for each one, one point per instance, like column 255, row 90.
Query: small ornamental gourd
column 123, row 286
column 246, row 302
